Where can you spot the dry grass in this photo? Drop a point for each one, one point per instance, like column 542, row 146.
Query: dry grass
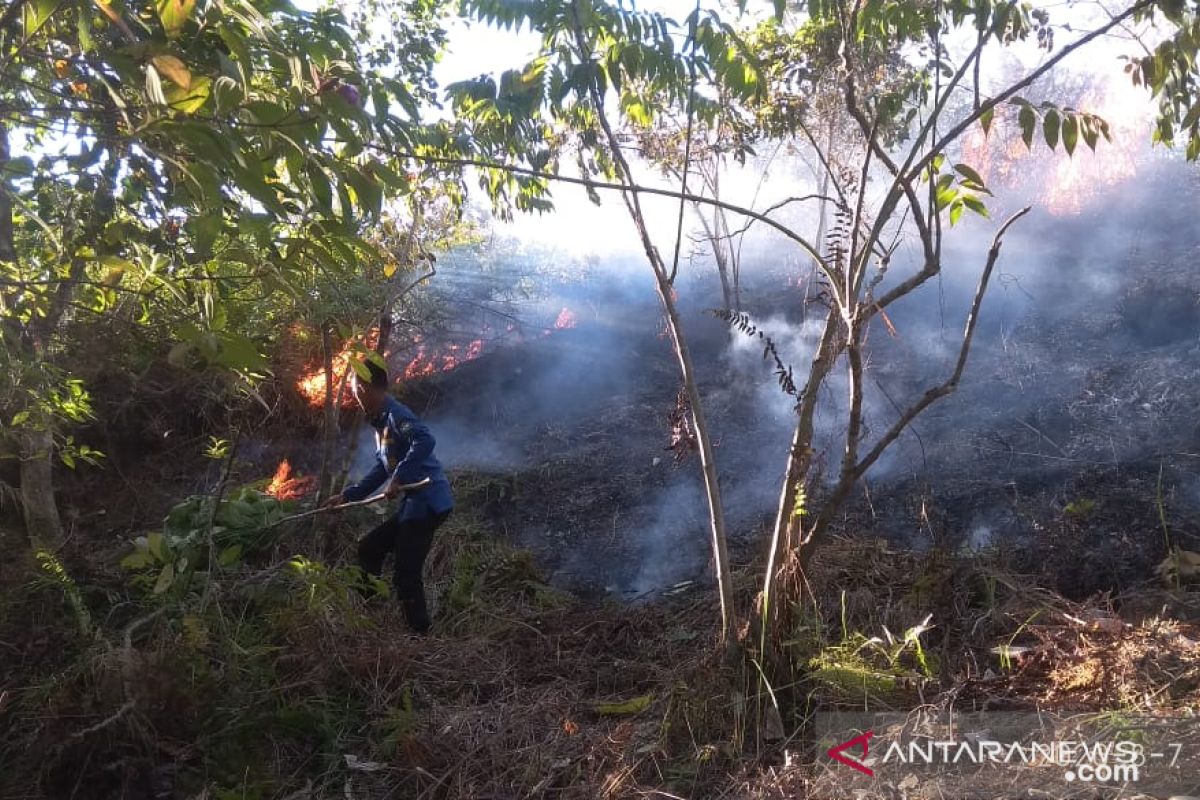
column 277, row 681
column 1003, row 642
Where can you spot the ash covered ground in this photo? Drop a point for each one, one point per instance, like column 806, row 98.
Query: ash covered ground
column 1072, row 444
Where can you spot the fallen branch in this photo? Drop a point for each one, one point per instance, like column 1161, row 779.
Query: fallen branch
column 354, row 504
column 99, row 726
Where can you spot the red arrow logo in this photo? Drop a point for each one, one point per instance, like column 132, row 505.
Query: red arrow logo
column 861, row 740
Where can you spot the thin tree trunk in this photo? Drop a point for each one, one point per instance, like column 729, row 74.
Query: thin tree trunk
column 383, row 340
column 8, row 250
column 708, row 464
column 42, row 523
column 790, row 514
column 712, row 233
column 330, row 428
column 329, row 437
column 733, row 258
column 662, row 279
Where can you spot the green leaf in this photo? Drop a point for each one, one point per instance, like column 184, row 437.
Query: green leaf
column 969, row 173
column 37, row 13
column 83, row 30
column 240, row 51
column 945, row 192
column 367, row 191
column 1027, row 119
column 165, row 579
column 1192, row 117
column 230, row 555
column 389, row 176
column 956, row 211
column 627, row 708
column 238, row 352
column 976, row 205
column 189, row 100
column 156, row 546
column 985, row 119
column 135, row 560
column 267, row 113
column 205, row 230
column 322, row 191
column 1050, row 125
column 174, row 14
column 1070, row 133
column 1090, row 132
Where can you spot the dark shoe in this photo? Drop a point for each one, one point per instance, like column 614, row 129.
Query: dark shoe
column 416, row 614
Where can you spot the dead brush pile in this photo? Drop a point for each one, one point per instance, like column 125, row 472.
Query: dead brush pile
column 896, row 629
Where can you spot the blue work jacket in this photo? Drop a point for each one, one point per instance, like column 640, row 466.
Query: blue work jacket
column 404, row 450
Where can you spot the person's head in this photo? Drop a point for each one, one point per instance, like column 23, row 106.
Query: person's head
column 370, row 392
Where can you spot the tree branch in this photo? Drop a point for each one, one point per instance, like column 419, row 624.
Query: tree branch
column 1010, row 92
column 618, row 187
column 937, row 392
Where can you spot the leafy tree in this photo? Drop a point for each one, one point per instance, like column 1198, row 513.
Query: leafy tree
column 697, row 156
column 196, row 165
column 902, row 133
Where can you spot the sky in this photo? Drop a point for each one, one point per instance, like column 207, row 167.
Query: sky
column 577, row 225
column 581, row 228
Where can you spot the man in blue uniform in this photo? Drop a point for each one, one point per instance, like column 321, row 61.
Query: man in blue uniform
column 404, row 455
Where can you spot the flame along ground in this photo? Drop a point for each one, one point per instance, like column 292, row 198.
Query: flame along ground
column 426, row 363
column 286, row 486
column 566, row 319
column 428, row 360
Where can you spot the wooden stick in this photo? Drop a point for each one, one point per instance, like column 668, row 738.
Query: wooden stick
column 354, row 504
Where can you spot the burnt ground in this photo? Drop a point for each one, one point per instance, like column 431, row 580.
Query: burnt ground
column 1078, row 464
column 1072, row 445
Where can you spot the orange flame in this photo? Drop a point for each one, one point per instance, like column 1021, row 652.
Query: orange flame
column 566, row 319
column 311, row 384
column 425, row 363
column 1073, row 180
column 284, row 486
column 1067, row 182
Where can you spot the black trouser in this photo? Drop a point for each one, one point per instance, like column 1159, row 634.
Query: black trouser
column 409, row 540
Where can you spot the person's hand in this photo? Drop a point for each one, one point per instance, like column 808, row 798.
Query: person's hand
column 394, row 490
column 336, row 500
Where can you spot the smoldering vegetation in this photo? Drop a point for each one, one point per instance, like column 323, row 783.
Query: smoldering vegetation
column 1085, row 363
